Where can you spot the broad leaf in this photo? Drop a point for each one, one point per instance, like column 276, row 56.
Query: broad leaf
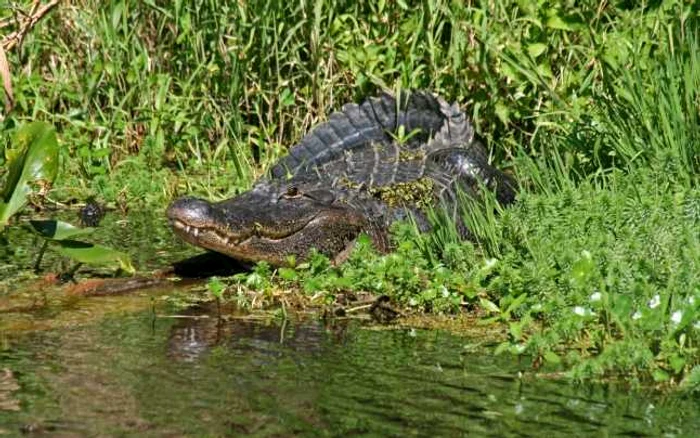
column 536, row 49
column 94, row 254
column 552, row 358
column 558, row 21
column 58, row 230
column 32, row 160
column 489, row 306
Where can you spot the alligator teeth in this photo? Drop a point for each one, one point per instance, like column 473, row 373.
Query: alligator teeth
column 195, row 232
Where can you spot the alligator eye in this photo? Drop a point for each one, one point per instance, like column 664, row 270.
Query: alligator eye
column 292, row 192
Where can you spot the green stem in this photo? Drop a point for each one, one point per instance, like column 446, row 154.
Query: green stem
column 37, row 264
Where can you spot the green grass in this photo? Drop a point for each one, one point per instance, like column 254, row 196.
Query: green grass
column 219, row 91
column 593, row 105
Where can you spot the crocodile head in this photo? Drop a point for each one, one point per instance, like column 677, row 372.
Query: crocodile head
column 268, row 223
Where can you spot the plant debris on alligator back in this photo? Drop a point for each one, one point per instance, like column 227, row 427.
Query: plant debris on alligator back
column 356, row 173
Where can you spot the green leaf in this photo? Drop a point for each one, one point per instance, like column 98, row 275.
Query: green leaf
column 286, row 97
column 94, row 254
column 216, row 287
column 516, row 330
column 536, row 49
column 517, row 302
column 489, row 305
column 677, row 363
column 660, row 375
column 552, row 357
column 58, row 230
column 582, row 269
column 33, row 159
column 429, row 295
column 691, row 382
column 502, row 112
column 556, row 21
column 288, row 274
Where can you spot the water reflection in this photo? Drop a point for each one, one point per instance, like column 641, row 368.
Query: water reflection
column 202, row 376
column 195, row 336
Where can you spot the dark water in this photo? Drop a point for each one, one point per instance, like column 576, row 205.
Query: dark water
column 131, row 375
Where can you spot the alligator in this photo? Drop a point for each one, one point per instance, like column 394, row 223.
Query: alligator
column 390, row 158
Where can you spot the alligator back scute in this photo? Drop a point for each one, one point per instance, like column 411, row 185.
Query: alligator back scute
column 378, row 165
column 376, row 121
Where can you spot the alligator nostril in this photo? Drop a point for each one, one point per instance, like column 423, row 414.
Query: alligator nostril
column 189, row 210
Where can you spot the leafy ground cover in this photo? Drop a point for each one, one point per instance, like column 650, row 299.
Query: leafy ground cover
column 593, row 105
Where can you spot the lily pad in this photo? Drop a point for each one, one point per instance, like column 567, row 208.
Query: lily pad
column 32, row 161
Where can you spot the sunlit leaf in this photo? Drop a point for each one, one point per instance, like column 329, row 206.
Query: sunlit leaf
column 552, row 358
column 660, row 375
column 32, row 160
column 536, row 49
column 92, row 254
column 560, row 22
column 58, row 230
column 677, row 363
column 502, row 112
column 489, row 305
column 582, row 269
column 216, row 287
column 287, row 274
column 516, row 303
column 286, row 97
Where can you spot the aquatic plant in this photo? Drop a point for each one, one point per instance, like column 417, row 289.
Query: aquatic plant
column 33, row 165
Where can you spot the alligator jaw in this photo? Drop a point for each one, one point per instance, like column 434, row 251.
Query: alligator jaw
column 195, row 235
column 329, row 229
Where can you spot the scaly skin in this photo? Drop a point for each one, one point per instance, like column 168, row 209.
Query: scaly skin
column 267, row 224
column 353, row 174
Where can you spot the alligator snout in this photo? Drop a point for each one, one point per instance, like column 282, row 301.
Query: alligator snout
column 191, row 211
column 250, row 228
